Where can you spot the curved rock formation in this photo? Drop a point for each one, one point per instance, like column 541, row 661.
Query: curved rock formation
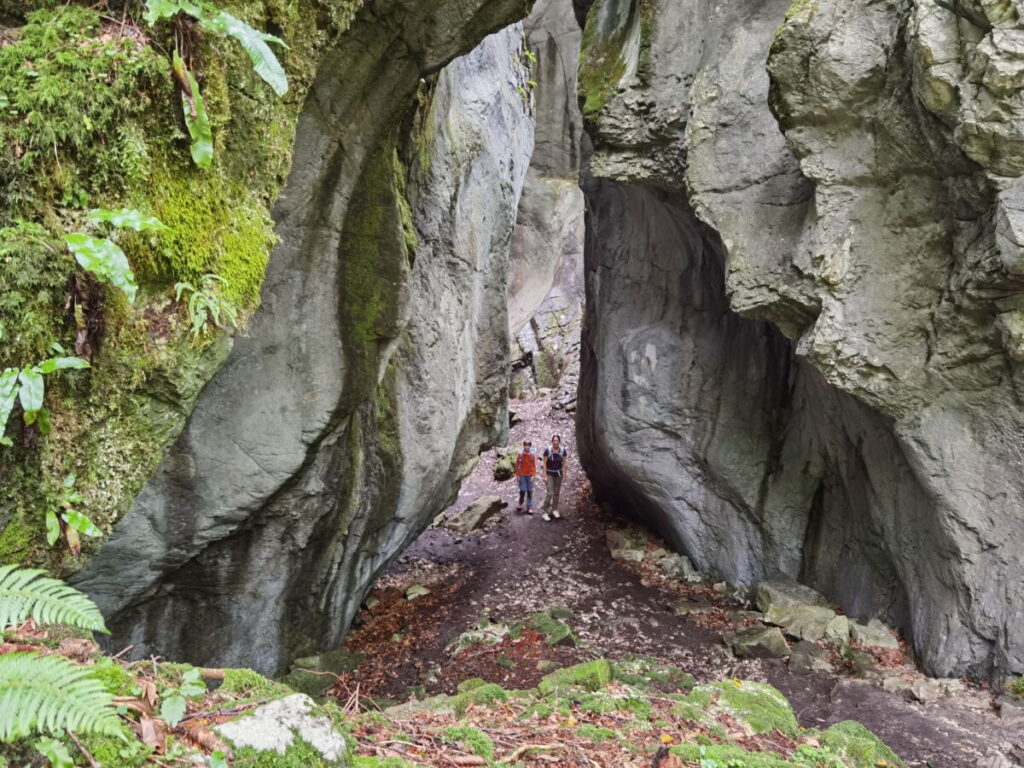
column 878, row 454
column 375, row 370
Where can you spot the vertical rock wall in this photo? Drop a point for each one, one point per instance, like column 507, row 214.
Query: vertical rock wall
column 375, row 370
column 545, row 293
column 875, row 452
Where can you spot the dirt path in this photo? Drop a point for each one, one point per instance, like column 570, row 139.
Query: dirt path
column 522, row 565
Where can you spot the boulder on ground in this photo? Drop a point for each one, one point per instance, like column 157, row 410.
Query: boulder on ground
column 926, row 689
column 1010, row 709
column 312, row 674
column 277, row 727
column 782, row 591
column 807, row 657
column 864, row 665
column 804, row 622
column 874, row 634
column 679, row 566
column 691, row 607
column 415, row 592
column 476, row 515
column 837, row 631
column 759, row 642
column 505, row 469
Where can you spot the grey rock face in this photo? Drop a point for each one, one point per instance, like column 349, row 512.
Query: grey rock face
column 374, row 372
column 545, row 293
column 876, row 453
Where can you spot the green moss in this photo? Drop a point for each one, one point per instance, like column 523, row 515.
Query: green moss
column 374, row 247
column 1016, row 687
column 91, row 118
column 200, row 238
column 125, row 752
column 113, row 676
column 602, row 59
column 729, row 756
column 595, row 734
column 472, row 684
column 802, row 10
column 299, row 754
column 245, row 682
column 643, row 672
column 69, row 92
column 858, row 745
column 476, row 740
column 380, row 762
column 555, row 632
column 760, row 706
column 591, row 675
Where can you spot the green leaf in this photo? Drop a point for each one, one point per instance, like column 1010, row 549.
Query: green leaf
column 55, row 751
column 69, row 480
column 60, row 363
column 163, row 9
column 127, row 218
column 218, row 759
column 105, row 260
column 27, row 593
column 8, row 396
column 32, row 390
column 81, row 523
column 198, row 123
column 52, row 528
column 172, row 708
column 192, row 684
column 44, row 421
column 264, row 62
column 46, row 693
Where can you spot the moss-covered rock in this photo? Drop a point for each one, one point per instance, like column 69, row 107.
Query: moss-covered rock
column 591, row 675
column 91, row 118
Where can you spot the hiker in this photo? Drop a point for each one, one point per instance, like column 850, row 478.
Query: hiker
column 554, row 471
column 526, row 468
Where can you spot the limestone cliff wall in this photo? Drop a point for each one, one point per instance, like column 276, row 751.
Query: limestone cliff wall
column 545, row 292
column 799, row 352
column 374, row 371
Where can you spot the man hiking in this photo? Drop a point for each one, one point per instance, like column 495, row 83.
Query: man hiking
column 526, row 468
column 554, row 470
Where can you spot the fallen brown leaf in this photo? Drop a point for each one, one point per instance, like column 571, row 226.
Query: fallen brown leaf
column 152, row 734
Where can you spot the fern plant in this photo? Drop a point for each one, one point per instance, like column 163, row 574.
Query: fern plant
column 102, row 256
column 49, row 693
column 28, row 387
column 207, row 308
column 213, row 19
column 28, row 593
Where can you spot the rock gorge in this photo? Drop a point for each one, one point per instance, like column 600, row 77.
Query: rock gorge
column 802, row 335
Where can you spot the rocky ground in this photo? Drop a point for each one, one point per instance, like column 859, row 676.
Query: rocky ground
column 519, row 566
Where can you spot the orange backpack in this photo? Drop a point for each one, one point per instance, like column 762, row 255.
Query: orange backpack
column 526, row 464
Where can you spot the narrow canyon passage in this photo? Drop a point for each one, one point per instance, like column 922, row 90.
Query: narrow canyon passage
column 516, row 566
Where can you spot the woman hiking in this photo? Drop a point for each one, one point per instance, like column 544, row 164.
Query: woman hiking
column 554, row 470
column 526, row 468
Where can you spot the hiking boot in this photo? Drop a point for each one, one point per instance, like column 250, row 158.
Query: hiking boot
column 547, row 517
column 555, row 515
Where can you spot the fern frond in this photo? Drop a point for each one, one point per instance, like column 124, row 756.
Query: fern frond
column 28, row 593
column 45, row 693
